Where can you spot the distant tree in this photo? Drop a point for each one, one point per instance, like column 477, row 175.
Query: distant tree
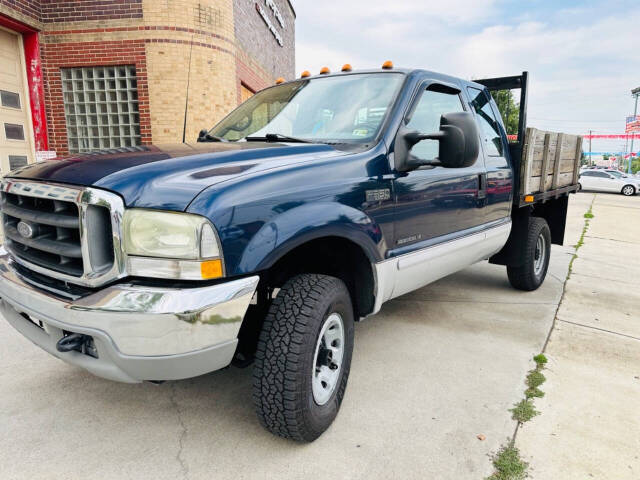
column 509, row 110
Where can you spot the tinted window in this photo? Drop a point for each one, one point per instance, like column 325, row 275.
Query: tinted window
column 9, row 99
column 16, row 161
column 601, row 174
column 487, row 123
column 426, row 119
column 586, row 174
column 13, row 131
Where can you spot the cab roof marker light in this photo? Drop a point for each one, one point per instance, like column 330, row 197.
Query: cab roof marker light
column 279, row 80
column 305, row 74
column 346, row 67
column 528, row 199
column 324, row 70
column 388, row 65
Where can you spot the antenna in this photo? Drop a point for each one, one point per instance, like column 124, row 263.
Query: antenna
column 186, row 100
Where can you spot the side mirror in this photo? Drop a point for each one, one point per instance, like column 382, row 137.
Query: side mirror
column 459, row 145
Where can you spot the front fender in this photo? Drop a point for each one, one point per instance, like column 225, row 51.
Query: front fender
column 307, row 222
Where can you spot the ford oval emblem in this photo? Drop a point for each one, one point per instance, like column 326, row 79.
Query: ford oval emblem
column 25, row 230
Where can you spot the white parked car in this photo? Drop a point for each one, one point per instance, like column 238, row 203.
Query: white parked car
column 608, row 181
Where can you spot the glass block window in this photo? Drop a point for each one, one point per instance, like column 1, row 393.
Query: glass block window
column 101, row 107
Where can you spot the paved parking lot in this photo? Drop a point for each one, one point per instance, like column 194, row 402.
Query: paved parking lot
column 433, row 370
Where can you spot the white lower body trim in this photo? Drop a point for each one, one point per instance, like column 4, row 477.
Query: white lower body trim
column 405, row 273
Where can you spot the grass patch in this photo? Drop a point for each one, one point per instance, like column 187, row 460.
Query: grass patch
column 533, row 392
column 588, row 216
column 540, row 360
column 524, row 410
column 535, row 379
column 509, row 465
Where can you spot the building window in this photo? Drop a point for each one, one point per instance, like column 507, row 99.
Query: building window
column 101, row 107
column 13, row 131
column 17, row 161
column 9, row 99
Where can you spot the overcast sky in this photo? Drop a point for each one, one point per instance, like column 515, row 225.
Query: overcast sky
column 583, row 57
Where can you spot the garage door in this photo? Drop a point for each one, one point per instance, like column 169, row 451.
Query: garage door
column 15, row 134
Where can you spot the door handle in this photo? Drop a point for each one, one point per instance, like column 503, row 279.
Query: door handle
column 482, row 186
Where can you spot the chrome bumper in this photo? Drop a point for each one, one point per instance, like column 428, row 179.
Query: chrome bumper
column 140, row 333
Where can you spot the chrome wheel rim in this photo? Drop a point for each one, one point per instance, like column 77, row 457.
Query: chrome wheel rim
column 538, row 262
column 327, row 360
column 627, row 190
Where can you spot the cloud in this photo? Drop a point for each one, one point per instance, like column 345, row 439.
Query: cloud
column 582, row 65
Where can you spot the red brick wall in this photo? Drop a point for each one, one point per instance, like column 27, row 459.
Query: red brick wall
column 61, row 55
column 82, row 10
column 26, row 7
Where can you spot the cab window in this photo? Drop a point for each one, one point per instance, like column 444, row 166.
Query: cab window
column 487, row 123
column 426, row 119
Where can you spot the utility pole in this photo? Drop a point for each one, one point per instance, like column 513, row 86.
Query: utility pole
column 590, row 151
column 635, row 92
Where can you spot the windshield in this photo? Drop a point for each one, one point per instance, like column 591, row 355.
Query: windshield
column 342, row 109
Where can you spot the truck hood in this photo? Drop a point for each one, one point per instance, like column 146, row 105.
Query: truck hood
column 170, row 176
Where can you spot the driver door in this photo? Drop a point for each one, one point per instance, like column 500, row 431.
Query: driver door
column 435, row 202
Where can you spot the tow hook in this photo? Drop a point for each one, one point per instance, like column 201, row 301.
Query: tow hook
column 72, row 342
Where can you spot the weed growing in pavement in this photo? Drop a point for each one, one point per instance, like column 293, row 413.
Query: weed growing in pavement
column 524, row 411
column 588, row 216
column 540, row 360
column 508, row 464
column 535, row 378
column 533, row 393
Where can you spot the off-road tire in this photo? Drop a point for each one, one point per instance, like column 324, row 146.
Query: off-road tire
column 284, row 361
column 628, row 190
column 524, row 277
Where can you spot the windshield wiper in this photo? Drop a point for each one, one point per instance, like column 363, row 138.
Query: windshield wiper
column 205, row 136
column 275, row 137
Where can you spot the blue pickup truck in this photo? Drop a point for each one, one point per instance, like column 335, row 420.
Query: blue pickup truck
column 304, row 210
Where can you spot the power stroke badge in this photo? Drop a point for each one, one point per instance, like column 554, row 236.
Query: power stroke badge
column 378, row 195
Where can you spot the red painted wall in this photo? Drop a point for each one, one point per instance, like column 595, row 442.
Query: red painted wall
column 31, row 43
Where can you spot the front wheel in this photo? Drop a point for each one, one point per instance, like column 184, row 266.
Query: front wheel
column 303, row 357
column 535, row 262
column 628, row 190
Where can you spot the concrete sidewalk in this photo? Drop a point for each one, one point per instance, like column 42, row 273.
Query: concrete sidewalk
column 589, row 425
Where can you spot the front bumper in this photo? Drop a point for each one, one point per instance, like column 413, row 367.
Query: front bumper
column 140, row 333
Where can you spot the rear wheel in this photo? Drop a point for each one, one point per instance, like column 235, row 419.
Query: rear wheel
column 536, row 251
column 303, row 357
column 628, row 190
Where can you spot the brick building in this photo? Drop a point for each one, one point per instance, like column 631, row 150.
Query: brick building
column 83, row 75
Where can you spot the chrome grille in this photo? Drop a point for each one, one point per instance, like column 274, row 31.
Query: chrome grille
column 68, row 233
column 44, row 231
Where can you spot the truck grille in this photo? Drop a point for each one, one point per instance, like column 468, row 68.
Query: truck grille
column 64, row 232
column 43, row 231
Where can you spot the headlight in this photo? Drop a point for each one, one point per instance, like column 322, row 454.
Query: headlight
column 171, row 245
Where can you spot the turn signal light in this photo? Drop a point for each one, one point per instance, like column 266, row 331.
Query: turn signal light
column 279, row 80
column 346, row 67
column 324, row 70
column 528, row 199
column 388, row 65
column 211, row 269
column 305, row 74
